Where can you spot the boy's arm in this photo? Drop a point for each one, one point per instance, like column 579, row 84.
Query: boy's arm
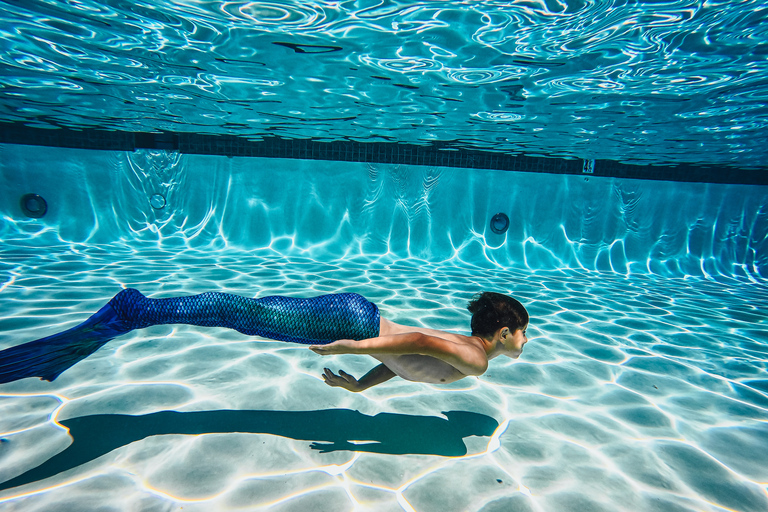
column 344, row 380
column 467, row 358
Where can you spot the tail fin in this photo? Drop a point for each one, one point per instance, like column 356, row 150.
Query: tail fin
column 48, row 357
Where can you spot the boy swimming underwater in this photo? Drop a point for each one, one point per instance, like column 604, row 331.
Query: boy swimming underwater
column 343, row 323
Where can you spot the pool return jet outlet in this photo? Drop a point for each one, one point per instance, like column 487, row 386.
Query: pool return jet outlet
column 500, row 223
column 157, row 201
column 33, row 206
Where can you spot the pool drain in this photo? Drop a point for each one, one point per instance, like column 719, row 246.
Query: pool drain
column 33, row 206
column 157, row 201
column 500, row 223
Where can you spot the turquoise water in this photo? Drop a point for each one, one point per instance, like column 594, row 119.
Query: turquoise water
column 634, row 81
column 643, row 386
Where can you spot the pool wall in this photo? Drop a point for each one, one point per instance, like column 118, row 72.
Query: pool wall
column 342, row 210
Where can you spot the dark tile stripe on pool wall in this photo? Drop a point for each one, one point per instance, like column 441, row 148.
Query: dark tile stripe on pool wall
column 443, row 154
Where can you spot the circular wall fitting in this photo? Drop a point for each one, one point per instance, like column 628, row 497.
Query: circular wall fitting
column 157, row 201
column 500, row 223
column 33, row 206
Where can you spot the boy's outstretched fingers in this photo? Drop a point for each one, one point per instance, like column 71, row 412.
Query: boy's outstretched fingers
column 337, row 347
column 342, row 380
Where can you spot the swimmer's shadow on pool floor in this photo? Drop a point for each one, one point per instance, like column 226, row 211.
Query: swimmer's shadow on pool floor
column 330, row 430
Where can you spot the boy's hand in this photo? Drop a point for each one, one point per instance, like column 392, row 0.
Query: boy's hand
column 342, row 380
column 337, row 347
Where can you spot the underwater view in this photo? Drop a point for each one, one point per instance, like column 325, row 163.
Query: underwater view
column 643, row 386
column 644, row 382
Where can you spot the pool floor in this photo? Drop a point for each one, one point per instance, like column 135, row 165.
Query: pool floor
column 635, row 392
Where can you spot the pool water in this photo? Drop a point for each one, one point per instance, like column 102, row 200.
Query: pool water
column 643, row 386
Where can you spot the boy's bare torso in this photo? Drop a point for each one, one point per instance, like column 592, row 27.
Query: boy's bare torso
column 420, row 368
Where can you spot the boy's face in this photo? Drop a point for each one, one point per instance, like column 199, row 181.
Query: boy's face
column 514, row 342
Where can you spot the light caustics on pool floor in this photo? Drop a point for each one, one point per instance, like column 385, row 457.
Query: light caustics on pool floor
column 635, row 393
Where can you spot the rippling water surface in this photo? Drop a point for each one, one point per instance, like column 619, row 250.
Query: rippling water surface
column 645, row 81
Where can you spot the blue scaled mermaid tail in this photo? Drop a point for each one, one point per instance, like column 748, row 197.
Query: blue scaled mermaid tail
column 48, row 357
column 314, row 321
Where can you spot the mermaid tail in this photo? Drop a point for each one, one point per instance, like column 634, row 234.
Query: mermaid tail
column 48, row 357
column 314, row 321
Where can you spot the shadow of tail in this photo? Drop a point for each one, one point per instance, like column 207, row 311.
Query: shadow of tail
column 48, row 357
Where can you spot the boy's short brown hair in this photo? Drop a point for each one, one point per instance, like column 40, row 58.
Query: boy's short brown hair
column 491, row 311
